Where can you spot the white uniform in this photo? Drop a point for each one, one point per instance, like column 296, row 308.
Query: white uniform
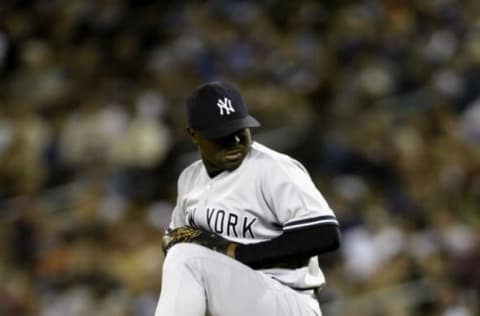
column 268, row 194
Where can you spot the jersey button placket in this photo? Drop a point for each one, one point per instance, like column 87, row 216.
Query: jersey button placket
column 206, row 195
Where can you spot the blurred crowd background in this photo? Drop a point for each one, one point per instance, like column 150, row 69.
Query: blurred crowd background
column 379, row 99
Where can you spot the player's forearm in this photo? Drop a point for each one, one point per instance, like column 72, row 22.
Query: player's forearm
column 291, row 246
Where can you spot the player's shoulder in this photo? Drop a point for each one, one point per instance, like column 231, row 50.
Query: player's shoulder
column 261, row 151
column 270, row 158
column 191, row 171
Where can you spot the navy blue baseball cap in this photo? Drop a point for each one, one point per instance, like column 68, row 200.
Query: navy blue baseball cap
column 216, row 109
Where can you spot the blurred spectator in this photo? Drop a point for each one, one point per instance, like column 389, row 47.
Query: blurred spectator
column 380, row 99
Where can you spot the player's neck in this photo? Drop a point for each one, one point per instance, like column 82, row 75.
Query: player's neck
column 212, row 171
column 213, row 174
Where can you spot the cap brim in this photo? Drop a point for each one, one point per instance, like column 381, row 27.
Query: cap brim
column 230, row 127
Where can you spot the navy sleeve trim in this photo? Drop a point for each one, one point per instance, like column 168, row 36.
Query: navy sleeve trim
column 318, row 220
column 292, row 249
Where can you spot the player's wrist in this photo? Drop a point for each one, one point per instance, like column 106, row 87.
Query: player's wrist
column 231, row 248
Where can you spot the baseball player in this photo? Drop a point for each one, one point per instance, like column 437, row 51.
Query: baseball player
column 248, row 222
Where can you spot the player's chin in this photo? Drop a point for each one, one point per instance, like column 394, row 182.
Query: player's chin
column 232, row 159
column 231, row 164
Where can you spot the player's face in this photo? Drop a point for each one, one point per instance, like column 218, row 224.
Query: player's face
column 226, row 153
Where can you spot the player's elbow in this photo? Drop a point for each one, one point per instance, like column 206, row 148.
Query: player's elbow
column 336, row 239
column 332, row 238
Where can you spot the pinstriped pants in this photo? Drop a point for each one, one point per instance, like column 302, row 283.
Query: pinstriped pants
column 196, row 280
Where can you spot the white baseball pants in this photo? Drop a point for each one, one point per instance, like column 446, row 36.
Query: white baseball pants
column 196, row 280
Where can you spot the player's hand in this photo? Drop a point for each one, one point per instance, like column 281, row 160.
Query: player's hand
column 179, row 235
column 199, row 237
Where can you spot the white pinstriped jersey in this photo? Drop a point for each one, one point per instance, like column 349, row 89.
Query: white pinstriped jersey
column 268, row 194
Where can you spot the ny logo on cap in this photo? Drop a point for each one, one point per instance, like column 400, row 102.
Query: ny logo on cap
column 226, row 105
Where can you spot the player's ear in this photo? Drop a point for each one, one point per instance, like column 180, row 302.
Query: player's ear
column 193, row 135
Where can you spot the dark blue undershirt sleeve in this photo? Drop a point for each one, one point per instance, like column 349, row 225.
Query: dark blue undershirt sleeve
column 291, row 249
